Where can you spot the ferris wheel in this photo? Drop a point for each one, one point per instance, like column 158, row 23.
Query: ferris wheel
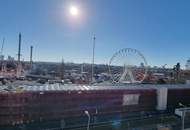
column 128, row 66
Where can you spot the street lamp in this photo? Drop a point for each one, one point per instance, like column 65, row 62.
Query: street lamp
column 96, row 114
column 87, row 113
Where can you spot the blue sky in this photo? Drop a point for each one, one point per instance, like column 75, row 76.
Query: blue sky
column 158, row 28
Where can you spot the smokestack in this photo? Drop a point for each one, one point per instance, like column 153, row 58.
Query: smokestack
column 31, row 53
column 19, row 48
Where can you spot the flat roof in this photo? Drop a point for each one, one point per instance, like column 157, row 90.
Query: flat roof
column 74, row 87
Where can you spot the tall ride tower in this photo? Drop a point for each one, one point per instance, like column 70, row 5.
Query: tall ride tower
column 19, row 48
column 19, row 66
column 31, row 55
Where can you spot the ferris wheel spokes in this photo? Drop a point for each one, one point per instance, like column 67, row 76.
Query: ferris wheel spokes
column 124, row 66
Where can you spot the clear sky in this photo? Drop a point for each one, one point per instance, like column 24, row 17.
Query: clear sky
column 160, row 29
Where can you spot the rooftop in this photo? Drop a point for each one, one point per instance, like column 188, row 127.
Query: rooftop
column 74, row 87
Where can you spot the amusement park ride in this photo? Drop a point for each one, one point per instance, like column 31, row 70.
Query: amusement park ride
column 10, row 68
column 45, row 106
column 128, row 66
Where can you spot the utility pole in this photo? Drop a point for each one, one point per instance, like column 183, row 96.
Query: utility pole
column 93, row 51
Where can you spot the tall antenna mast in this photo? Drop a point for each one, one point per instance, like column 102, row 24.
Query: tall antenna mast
column 93, row 51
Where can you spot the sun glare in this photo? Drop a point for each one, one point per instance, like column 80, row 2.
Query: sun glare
column 74, row 11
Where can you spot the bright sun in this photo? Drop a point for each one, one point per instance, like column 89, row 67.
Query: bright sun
column 74, row 10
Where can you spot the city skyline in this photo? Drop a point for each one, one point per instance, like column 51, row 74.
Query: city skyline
column 158, row 29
